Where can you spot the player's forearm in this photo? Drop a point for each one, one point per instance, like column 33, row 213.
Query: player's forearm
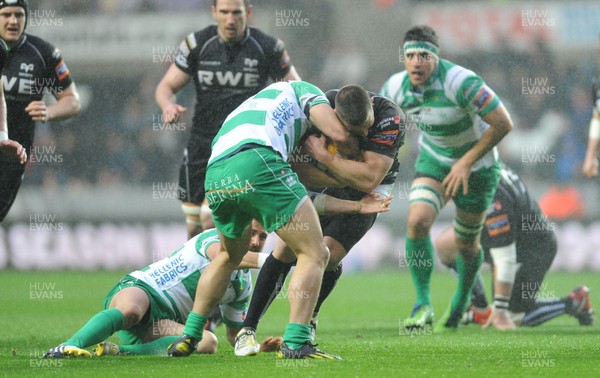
column 488, row 140
column 501, row 125
column 592, row 148
column 163, row 95
column 66, row 107
column 358, row 175
column 250, row 261
column 3, row 123
column 313, row 177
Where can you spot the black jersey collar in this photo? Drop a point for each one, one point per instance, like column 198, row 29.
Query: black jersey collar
column 20, row 43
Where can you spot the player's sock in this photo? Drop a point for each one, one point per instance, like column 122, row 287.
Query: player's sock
column 194, row 325
column 467, row 270
column 478, row 298
column 99, row 328
column 545, row 309
column 296, row 335
column 268, row 284
column 329, row 280
column 156, row 347
column 419, row 257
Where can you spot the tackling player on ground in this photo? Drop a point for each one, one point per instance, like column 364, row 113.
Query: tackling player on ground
column 228, row 63
column 155, row 301
column 520, row 244
column 461, row 120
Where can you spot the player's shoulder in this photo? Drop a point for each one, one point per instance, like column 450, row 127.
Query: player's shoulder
column 44, row 47
column 199, row 38
column 261, row 37
column 453, row 76
column 392, row 88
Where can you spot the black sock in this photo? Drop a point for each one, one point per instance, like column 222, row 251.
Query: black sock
column 478, row 298
column 329, row 280
column 268, row 284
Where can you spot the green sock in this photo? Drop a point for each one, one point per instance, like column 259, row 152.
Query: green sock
column 419, row 257
column 467, row 271
column 296, row 335
column 157, row 347
column 98, row 328
column 194, row 325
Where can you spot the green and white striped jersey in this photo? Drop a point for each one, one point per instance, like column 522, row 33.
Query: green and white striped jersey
column 275, row 117
column 448, row 111
column 174, row 279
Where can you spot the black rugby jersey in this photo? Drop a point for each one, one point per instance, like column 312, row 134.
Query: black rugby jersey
column 226, row 74
column 514, row 216
column 33, row 68
column 386, row 135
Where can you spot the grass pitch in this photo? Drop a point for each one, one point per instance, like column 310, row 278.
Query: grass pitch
column 361, row 322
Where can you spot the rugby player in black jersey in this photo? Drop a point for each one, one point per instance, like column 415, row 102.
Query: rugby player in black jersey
column 373, row 174
column 9, row 148
column 228, row 63
column 33, row 68
column 520, row 243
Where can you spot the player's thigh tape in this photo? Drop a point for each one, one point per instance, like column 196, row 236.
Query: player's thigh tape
column 426, row 194
column 466, row 231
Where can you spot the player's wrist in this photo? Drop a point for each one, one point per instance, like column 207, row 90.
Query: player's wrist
column 501, row 302
column 261, row 258
column 3, row 135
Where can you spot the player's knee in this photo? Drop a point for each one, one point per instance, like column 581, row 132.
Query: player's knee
column 418, row 226
column 209, row 344
column 133, row 315
column 322, row 257
column 467, row 247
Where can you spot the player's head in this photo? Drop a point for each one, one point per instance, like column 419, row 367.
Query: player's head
column 354, row 108
column 232, row 18
column 258, row 237
column 13, row 20
column 420, row 52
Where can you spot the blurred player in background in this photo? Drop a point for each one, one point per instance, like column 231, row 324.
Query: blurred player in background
column 461, row 120
column 520, row 244
column 155, row 301
column 249, row 177
column 228, row 63
column 9, row 148
column 33, row 68
column 374, row 173
column 590, row 164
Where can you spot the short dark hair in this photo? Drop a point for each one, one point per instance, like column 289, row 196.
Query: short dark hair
column 421, row 33
column 353, row 105
column 246, row 3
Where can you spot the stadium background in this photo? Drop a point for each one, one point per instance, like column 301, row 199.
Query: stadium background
column 100, row 191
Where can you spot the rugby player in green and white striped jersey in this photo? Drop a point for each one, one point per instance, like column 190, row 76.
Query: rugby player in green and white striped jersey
column 461, row 120
column 155, row 301
column 248, row 177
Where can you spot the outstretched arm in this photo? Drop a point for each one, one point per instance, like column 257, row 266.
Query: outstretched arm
column 171, row 83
